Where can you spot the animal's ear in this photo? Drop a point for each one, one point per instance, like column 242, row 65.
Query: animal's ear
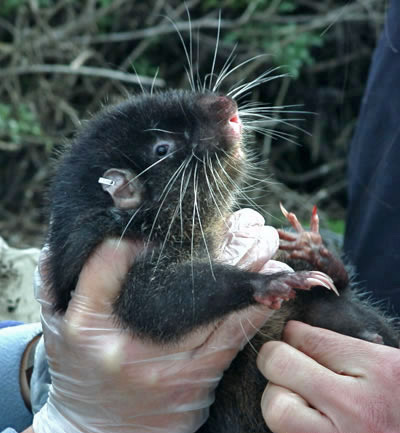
column 125, row 190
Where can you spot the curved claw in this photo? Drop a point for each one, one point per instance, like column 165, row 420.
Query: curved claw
column 314, row 210
column 283, row 210
column 314, row 224
column 321, row 279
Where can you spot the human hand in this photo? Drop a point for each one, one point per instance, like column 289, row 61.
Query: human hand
column 324, row 382
column 106, row 380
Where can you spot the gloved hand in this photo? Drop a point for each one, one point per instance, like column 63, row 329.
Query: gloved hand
column 106, row 380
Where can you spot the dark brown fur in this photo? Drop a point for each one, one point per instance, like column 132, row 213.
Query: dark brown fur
column 172, row 288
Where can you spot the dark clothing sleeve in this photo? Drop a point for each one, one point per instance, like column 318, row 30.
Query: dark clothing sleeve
column 372, row 239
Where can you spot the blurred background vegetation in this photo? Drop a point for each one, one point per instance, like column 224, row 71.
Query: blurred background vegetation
column 62, row 60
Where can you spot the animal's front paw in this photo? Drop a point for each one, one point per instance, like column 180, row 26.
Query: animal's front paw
column 282, row 287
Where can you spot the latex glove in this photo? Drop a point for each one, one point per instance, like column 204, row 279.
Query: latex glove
column 105, row 380
column 324, row 382
column 249, row 244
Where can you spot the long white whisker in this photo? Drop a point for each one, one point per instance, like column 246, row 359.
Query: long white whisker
column 200, row 86
column 225, row 68
column 149, row 167
column 258, row 107
column 217, row 182
column 192, row 241
column 246, row 174
column 218, row 83
column 256, row 82
column 259, row 127
column 250, row 119
column 127, row 225
column 171, row 180
column 247, row 338
column 274, row 134
column 182, row 192
column 236, row 186
column 161, row 130
column 188, row 59
column 196, row 206
column 167, row 236
column 154, row 80
column 177, row 207
column 215, row 51
column 190, row 47
column 138, row 78
column 212, row 191
column 163, row 197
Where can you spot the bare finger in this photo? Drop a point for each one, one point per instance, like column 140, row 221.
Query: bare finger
column 286, row 366
column 285, row 411
column 339, row 353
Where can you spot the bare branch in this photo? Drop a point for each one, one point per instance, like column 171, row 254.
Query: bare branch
column 82, row 70
column 163, row 29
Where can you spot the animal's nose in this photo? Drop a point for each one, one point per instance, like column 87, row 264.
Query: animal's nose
column 221, row 108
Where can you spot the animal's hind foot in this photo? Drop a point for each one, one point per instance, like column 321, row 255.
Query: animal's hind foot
column 302, row 244
column 309, row 246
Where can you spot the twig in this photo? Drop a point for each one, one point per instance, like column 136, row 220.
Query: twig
column 82, row 70
column 328, row 192
column 10, row 146
column 164, row 29
column 336, row 62
column 82, row 21
column 151, row 32
column 320, row 171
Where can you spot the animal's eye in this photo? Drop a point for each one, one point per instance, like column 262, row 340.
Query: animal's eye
column 161, row 149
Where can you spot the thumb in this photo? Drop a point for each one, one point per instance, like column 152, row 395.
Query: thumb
column 239, row 327
column 104, row 272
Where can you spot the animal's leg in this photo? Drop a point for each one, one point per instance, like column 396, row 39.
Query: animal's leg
column 166, row 303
